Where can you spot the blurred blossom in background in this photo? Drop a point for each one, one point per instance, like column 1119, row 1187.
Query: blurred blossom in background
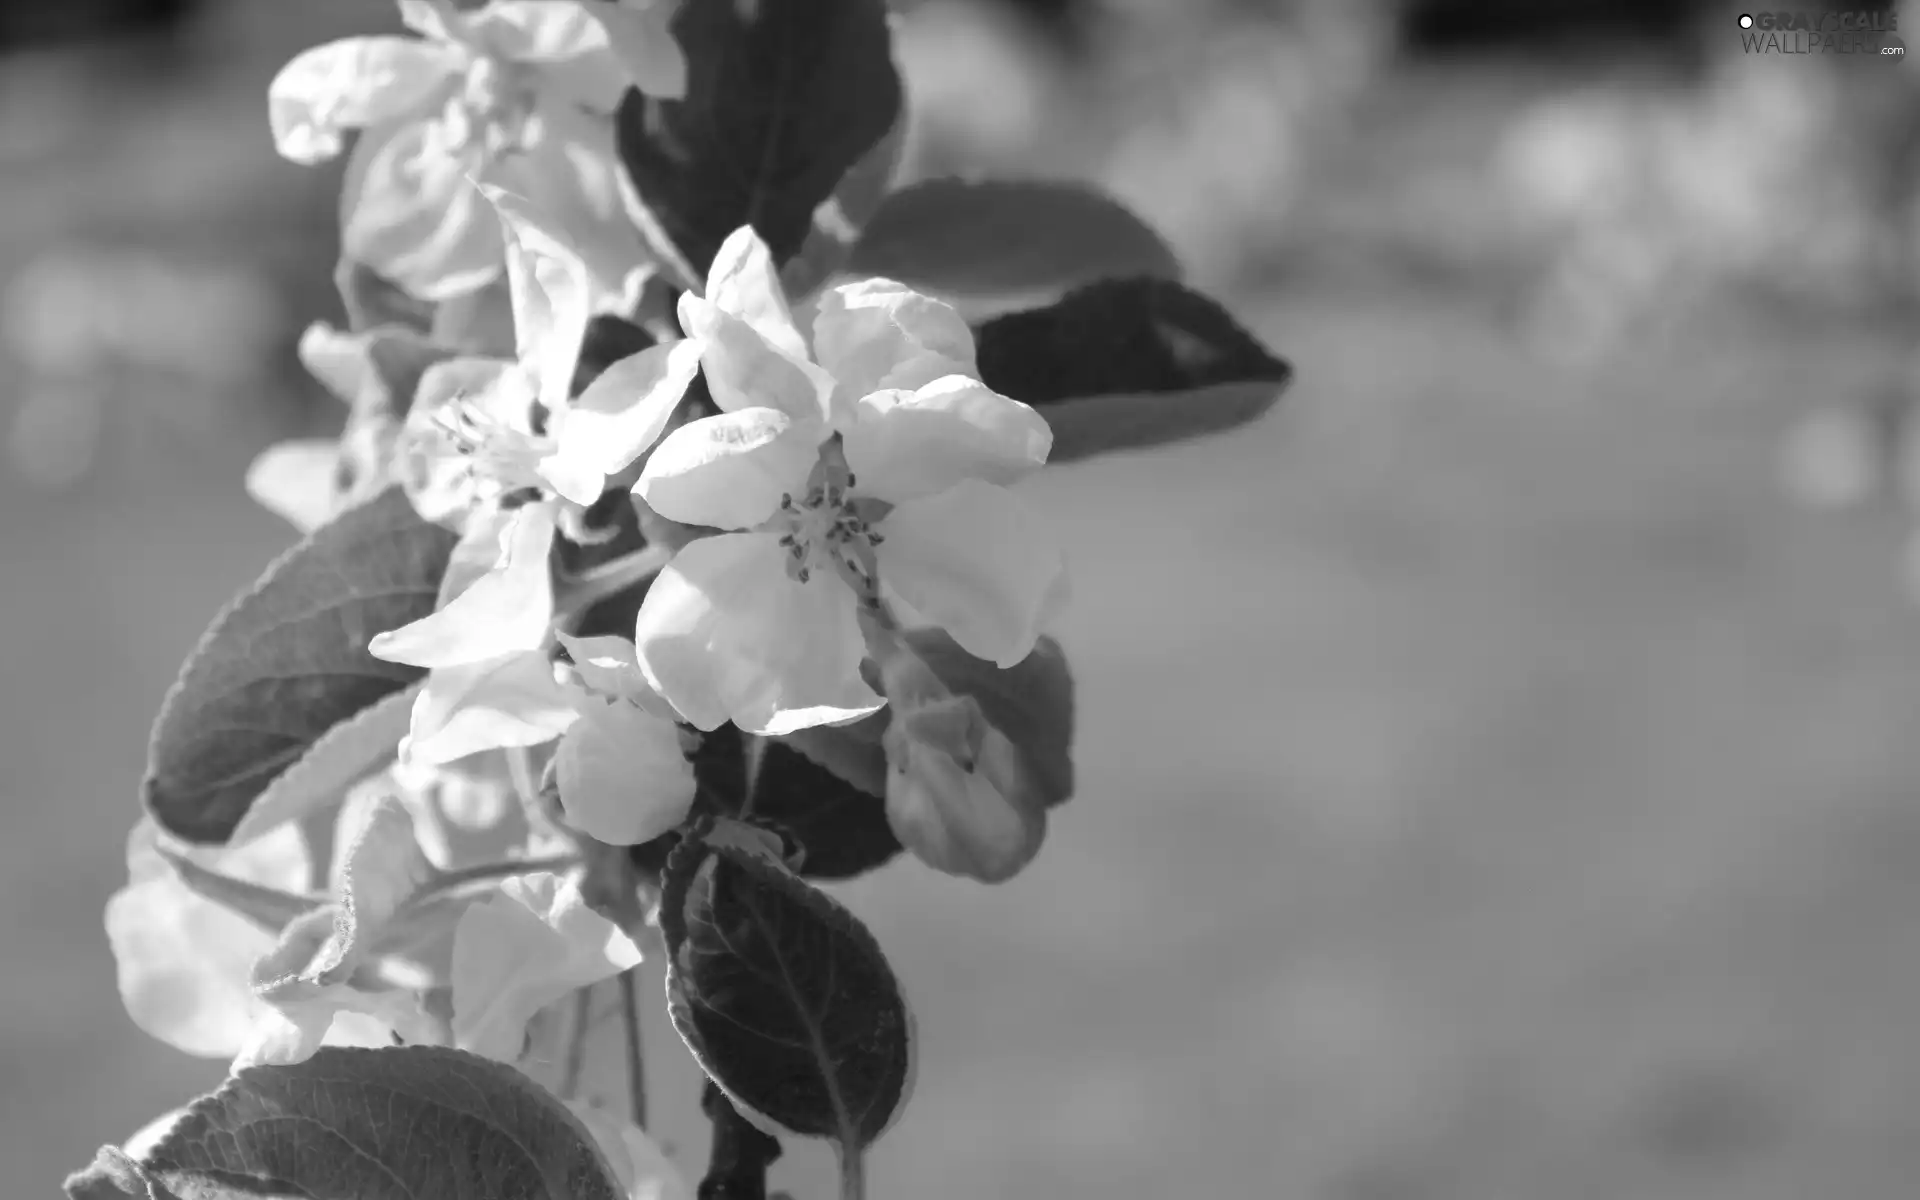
column 1553, row 824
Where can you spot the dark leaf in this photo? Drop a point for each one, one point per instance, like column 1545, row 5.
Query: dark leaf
column 998, row 244
column 839, row 826
column 287, row 661
column 609, row 339
column 738, row 1161
column 783, row 97
column 414, row 1123
column 782, row 995
column 1130, row 363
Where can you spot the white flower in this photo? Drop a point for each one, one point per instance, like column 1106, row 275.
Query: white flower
column 872, row 458
column 481, row 428
column 622, row 769
column 519, row 950
column 521, row 90
column 489, row 684
column 182, row 959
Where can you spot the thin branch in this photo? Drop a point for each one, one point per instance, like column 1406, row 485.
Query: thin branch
column 577, row 1043
column 636, row 1051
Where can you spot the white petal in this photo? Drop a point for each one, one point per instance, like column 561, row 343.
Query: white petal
column 725, row 634
column 350, row 84
column 181, row 963
column 521, row 949
column 537, row 30
column 500, row 704
column 622, row 774
column 409, row 212
column 640, row 1167
column 549, row 285
column 975, row 562
column 437, row 473
column 879, row 334
column 570, row 169
column 621, row 414
column 438, row 20
column 337, row 358
column 606, row 664
column 906, row 444
column 507, row 610
column 296, row 480
column 746, row 370
column 744, row 283
column 729, row 471
column 181, row 960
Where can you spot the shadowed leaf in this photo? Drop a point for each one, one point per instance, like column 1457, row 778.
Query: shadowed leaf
column 1130, row 363
column 412, row 1123
column 287, row 661
column 783, row 996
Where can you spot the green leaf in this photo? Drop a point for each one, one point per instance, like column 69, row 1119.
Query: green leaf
column 821, row 790
column 341, row 757
column 783, row 98
column 287, row 661
column 1130, row 363
column 783, row 996
column 412, row 1123
column 838, row 222
column 992, row 245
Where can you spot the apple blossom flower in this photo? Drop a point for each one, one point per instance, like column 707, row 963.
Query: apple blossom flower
column 480, row 429
column 520, row 949
column 375, row 373
column 490, row 683
column 866, row 463
column 622, row 768
column 522, row 91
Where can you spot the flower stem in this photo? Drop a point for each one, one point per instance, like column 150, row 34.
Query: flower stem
column 450, row 880
column 612, row 577
column 636, row 1050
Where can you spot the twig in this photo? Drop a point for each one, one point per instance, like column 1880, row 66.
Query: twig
column 636, row 1052
column 577, row 1044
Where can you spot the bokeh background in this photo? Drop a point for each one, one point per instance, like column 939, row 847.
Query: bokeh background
column 1499, row 772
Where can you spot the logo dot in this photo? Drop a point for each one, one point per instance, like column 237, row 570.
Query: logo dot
column 1746, row 21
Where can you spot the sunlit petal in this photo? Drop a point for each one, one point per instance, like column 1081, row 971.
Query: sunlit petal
column 729, row 471
column 622, row 774
column 508, row 609
column 621, row 413
column 500, row 704
column 409, row 211
column 878, row 334
column 351, row 84
column 974, row 561
column 726, row 634
column 906, row 444
column 521, row 949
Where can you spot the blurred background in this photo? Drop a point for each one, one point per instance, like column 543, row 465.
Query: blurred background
column 1499, row 774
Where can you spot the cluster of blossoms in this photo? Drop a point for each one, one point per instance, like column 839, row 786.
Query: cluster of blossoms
column 587, row 654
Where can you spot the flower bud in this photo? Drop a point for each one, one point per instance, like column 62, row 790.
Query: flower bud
column 959, row 794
